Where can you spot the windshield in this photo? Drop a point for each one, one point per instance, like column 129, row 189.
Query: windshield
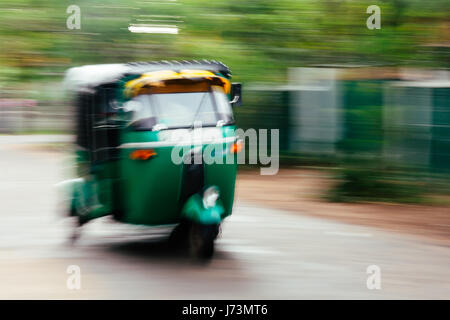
column 180, row 110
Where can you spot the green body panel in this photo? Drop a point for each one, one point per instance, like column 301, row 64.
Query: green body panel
column 150, row 189
column 92, row 194
column 224, row 175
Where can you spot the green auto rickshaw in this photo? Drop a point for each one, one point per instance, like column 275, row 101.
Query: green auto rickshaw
column 156, row 145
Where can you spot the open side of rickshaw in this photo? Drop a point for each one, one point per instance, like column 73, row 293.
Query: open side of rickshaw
column 156, row 145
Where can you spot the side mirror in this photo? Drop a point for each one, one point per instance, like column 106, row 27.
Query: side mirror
column 236, row 94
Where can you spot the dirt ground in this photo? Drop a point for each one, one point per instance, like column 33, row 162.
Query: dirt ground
column 301, row 191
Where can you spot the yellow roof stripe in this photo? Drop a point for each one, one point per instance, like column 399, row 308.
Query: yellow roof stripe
column 157, row 78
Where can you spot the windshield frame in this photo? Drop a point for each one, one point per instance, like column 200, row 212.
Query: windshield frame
column 142, row 124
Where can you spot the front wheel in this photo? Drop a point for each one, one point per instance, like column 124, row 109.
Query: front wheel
column 201, row 240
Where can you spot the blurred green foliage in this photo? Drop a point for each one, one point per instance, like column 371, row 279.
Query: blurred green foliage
column 258, row 39
column 362, row 104
column 370, row 181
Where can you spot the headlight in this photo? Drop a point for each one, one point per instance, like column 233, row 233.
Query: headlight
column 210, row 197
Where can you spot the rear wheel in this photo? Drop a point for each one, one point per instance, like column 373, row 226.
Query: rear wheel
column 75, row 230
column 77, row 221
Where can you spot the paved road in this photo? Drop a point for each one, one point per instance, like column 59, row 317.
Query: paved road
column 262, row 254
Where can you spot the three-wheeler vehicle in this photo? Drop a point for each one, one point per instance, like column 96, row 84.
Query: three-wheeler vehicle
column 156, row 145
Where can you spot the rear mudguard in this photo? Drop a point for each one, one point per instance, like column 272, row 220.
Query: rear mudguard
column 194, row 211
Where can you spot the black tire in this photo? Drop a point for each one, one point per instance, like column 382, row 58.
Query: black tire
column 179, row 236
column 77, row 223
column 201, row 240
column 75, row 231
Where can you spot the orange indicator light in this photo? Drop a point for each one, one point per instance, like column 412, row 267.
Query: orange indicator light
column 142, row 154
column 236, row 147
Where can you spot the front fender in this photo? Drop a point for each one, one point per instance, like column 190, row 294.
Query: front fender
column 194, row 211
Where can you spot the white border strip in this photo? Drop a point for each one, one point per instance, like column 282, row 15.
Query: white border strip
column 158, row 144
